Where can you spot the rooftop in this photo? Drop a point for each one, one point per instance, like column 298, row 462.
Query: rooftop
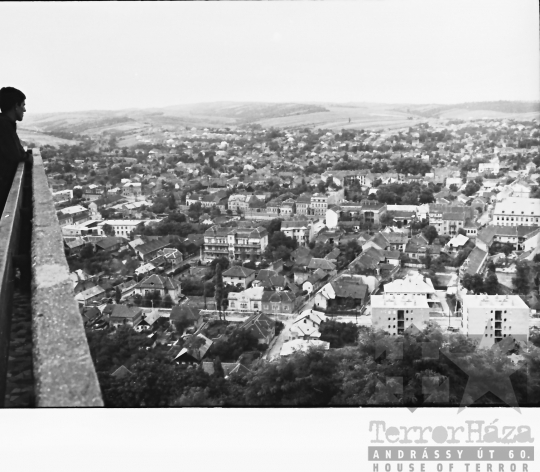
column 493, row 301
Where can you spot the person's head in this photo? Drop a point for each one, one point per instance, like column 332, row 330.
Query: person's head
column 12, row 103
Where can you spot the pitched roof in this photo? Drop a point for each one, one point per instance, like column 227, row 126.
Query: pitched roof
column 276, row 297
column 489, row 233
column 259, row 324
column 316, row 263
column 89, row 293
column 152, row 246
column 110, row 241
column 196, row 346
column 270, row 278
column 122, row 371
column 412, row 283
column 158, row 282
column 349, row 287
column 121, row 311
column 238, row 271
column 475, row 260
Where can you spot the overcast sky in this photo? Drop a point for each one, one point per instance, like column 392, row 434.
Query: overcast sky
column 83, row 56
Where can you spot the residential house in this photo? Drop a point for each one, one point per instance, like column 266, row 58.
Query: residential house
column 91, row 295
column 239, row 276
column 522, row 238
column 279, row 302
column 163, row 285
column 132, row 189
column 249, row 300
column 186, row 315
column 270, row 280
column 322, row 264
column 148, row 251
column 260, row 325
column 307, row 325
column 121, row 315
column 448, row 219
column 111, row 244
column 297, row 229
column 347, row 293
column 193, row 351
column 475, row 262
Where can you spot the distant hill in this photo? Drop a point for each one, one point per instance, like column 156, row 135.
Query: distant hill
column 128, row 123
column 490, row 109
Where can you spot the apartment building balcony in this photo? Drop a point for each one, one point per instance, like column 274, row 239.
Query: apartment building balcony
column 217, row 248
column 44, row 355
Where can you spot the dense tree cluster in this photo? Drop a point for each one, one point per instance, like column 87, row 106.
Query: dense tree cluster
column 359, row 374
column 406, row 194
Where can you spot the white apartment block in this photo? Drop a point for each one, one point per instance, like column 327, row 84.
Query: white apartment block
column 491, row 318
column 395, row 313
column 319, row 204
column 121, row 227
column 132, row 189
column 415, row 286
column 516, row 211
column 298, row 230
column 234, row 243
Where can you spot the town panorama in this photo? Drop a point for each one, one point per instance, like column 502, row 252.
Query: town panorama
column 242, row 265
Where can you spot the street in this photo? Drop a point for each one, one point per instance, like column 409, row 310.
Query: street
column 485, row 217
column 275, row 346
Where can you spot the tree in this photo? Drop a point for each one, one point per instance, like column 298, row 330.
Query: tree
column 118, row 295
column 218, row 368
column 387, row 219
column 471, row 188
column 473, row 283
column 522, row 279
column 498, row 247
column 410, row 198
column 172, row 201
column 108, row 230
column 152, row 299
column 427, row 259
column 430, row 232
column 87, row 251
column 491, row 284
column 453, row 188
column 167, row 301
column 218, row 290
column 77, row 193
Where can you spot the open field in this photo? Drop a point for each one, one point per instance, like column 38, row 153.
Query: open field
column 40, row 139
column 130, row 122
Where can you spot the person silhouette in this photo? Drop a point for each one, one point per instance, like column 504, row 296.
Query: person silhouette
column 12, row 107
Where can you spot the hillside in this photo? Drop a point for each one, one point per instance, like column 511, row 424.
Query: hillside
column 127, row 124
column 475, row 110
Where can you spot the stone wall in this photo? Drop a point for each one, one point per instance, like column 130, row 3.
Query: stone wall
column 63, row 369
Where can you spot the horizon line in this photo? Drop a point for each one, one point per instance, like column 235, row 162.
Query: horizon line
column 308, row 102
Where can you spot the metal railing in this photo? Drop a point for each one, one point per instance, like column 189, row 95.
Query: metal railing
column 63, row 371
column 10, row 226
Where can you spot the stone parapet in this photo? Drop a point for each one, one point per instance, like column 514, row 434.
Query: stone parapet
column 63, row 369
